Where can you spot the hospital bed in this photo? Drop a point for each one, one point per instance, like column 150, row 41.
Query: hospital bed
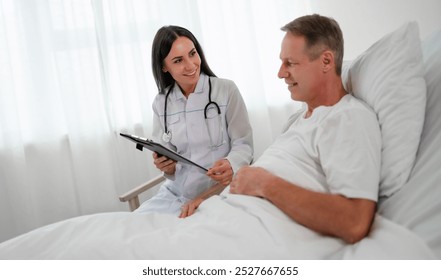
column 395, row 73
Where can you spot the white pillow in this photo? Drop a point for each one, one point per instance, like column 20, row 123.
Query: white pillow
column 431, row 135
column 389, row 77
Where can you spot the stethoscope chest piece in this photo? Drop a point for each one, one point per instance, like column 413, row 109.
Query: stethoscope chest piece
column 166, row 137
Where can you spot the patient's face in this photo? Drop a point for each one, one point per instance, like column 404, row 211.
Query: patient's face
column 299, row 72
column 183, row 63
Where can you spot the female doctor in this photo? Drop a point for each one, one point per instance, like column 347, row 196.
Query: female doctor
column 199, row 116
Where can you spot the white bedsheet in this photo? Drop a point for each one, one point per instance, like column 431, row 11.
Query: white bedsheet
column 225, row 227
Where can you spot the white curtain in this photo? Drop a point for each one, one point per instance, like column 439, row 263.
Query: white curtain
column 75, row 73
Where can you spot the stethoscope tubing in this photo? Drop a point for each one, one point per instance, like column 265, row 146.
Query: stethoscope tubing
column 210, row 102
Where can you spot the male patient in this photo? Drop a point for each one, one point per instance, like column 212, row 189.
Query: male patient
column 323, row 170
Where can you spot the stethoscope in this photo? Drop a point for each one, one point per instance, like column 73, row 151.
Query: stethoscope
column 167, row 136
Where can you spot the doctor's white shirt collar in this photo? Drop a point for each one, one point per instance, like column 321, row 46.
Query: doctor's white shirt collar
column 201, row 86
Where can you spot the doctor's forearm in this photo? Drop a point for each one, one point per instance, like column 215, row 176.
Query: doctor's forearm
column 213, row 190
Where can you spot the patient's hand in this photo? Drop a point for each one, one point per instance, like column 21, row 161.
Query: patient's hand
column 221, row 172
column 251, row 181
column 190, row 207
column 166, row 165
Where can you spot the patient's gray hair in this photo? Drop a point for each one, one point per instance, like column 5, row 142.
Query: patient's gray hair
column 321, row 33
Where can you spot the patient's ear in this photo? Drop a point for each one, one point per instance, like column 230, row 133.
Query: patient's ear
column 327, row 59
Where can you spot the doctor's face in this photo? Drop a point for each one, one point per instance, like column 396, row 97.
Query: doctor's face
column 183, row 63
column 300, row 73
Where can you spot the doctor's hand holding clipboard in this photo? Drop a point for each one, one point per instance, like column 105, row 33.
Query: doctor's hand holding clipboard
column 163, row 163
column 221, row 171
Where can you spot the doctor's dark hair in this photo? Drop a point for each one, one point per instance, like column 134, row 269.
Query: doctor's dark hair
column 320, row 33
column 161, row 46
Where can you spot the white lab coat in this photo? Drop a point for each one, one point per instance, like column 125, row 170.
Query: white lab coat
column 190, row 138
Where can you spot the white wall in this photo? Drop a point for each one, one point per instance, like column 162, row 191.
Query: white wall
column 365, row 21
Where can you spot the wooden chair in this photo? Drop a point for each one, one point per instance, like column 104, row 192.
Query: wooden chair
column 132, row 196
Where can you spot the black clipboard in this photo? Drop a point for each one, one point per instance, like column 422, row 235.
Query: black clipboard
column 159, row 149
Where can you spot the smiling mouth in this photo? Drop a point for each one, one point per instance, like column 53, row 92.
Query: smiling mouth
column 192, row 73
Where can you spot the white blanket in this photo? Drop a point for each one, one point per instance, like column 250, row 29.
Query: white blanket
column 224, row 227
